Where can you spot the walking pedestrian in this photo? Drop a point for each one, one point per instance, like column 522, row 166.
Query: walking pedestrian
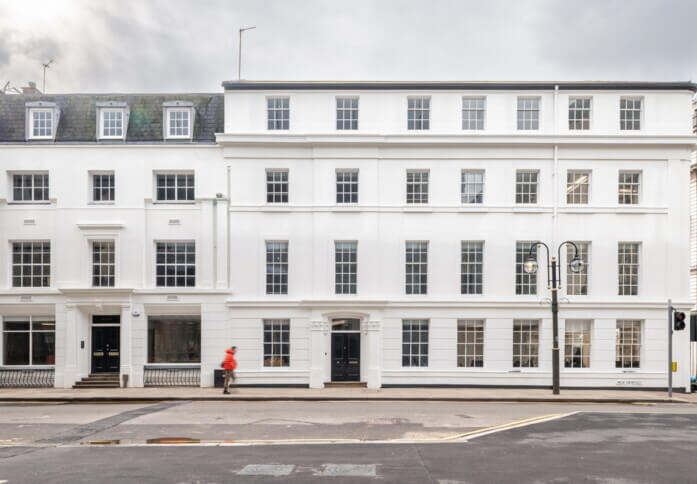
column 229, row 364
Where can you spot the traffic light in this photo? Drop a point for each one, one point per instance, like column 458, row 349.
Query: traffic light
column 678, row 321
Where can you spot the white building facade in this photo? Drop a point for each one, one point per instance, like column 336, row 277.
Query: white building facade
column 369, row 232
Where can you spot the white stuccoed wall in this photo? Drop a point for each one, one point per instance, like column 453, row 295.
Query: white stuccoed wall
column 382, row 150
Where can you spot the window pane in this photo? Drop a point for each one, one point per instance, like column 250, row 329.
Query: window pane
column 346, row 187
column 417, row 187
column 175, row 264
column 44, row 348
column 525, row 283
column 630, row 113
column 31, row 264
column 16, row 348
column 628, row 188
column 418, row 113
column 278, row 113
column 416, row 331
column 277, row 268
column 346, row 267
column 525, row 347
column 277, row 186
column 346, row 113
column 628, row 343
column 471, row 267
column 276, row 331
column 577, row 183
column 526, row 187
column 579, row 113
column 472, row 187
column 577, row 343
column 577, row 282
column 174, row 339
column 628, row 268
column 470, row 343
column 528, row 113
column 416, row 267
column 473, row 113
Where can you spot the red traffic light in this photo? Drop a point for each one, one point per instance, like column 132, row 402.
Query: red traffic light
column 678, row 321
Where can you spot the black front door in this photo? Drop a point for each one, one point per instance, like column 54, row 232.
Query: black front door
column 105, row 349
column 346, row 356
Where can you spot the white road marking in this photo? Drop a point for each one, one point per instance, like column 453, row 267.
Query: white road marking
column 275, row 470
column 352, row 470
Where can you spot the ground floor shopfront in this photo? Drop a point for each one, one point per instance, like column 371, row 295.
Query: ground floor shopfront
column 157, row 339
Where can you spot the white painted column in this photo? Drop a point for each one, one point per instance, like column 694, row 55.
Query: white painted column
column 126, row 343
column 71, row 346
column 221, row 216
column 371, row 332
column 138, row 350
column 318, row 329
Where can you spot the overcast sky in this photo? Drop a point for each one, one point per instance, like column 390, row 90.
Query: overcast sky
column 191, row 46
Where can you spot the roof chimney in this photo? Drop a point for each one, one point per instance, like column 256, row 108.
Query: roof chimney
column 31, row 89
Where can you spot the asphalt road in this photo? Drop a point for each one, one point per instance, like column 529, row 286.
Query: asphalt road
column 611, row 444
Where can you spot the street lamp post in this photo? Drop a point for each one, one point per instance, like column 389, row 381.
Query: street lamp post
column 239, row 52
column 554, row 284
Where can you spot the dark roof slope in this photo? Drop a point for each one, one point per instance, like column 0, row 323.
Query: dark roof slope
column 455, row 85
column 78, row 116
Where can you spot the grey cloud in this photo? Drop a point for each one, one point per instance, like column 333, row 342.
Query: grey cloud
column 179, row 45
column 642, row 39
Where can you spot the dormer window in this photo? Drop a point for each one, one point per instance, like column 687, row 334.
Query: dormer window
column 112, row 120
column 42, row 120
column 178, row 117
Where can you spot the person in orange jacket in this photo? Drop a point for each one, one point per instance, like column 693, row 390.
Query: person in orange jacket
column 229, row 364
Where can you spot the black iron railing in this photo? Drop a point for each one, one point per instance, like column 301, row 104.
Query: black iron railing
column 27, row 377
column 172, row 376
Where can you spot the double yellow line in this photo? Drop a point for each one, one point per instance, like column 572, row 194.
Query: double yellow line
column 464, row 436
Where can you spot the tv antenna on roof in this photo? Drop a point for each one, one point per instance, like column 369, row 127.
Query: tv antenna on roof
column 45, row 66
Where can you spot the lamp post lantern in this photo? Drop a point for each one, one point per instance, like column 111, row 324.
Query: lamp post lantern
column 553, row 284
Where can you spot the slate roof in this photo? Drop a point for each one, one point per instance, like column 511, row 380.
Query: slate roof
column 78, row 116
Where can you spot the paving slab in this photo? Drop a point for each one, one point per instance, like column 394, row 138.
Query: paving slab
column 326, row 394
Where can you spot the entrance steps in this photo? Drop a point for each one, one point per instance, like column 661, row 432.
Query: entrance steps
column 346, row 384
column 99, row 380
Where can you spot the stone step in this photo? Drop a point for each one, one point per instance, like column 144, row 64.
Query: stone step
column 346, row 384
column 82, row 384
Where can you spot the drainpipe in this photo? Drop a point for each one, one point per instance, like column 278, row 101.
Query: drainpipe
column 555, row 172
column 215, row 242
column 227, row 218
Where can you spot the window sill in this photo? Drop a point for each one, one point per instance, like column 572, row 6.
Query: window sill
column 40, row 202
column 418, row 208
column 276, row 207
column 28, row 367
column 111, row 138
column 172, row 365
column 346, row 207
column 111, row 202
